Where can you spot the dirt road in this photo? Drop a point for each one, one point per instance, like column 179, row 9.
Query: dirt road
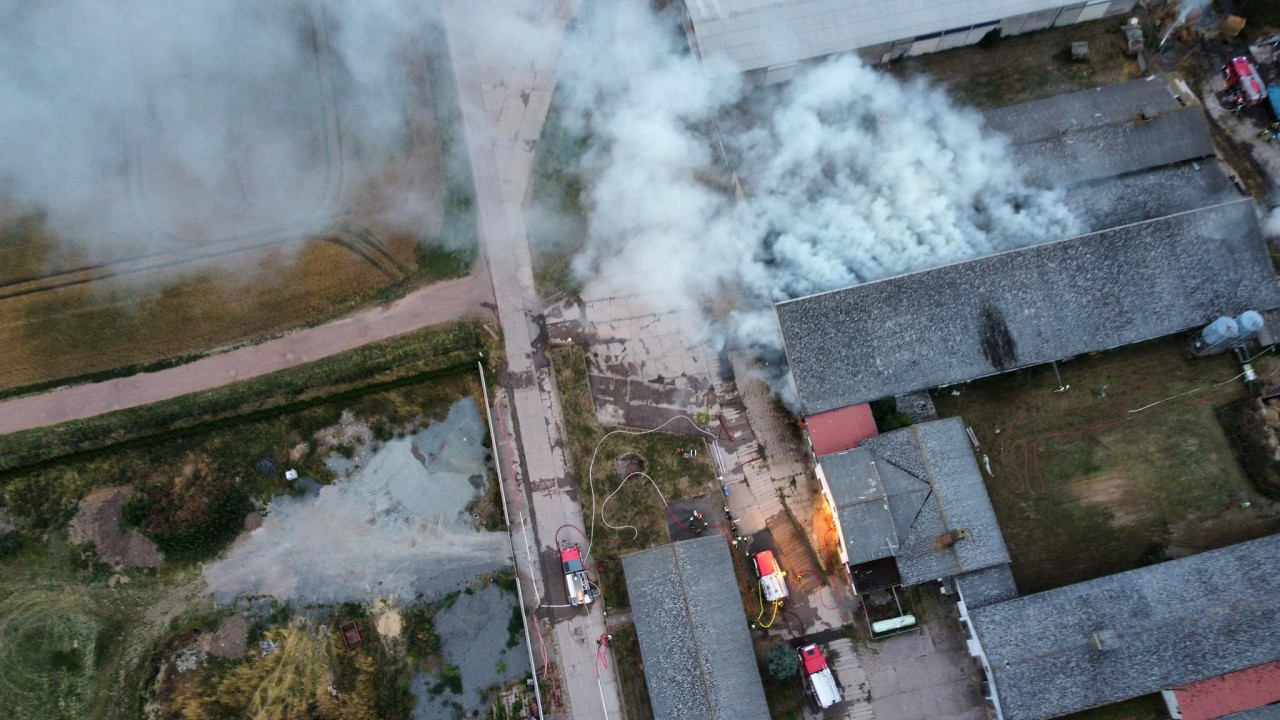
column 434, row 304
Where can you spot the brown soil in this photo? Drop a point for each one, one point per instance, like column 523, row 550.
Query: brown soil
column 1112, row 493
column 1234, row 525
column 98, row 522
column 230, row 641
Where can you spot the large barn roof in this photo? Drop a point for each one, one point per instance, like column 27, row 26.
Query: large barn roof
column 753, row 34
column 697, row 653
column 1026, row 307
column 1135, row 633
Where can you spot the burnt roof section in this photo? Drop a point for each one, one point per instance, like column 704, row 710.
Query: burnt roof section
column 1159, row 627
column 1059, row 115
column 1026, row 307
column 697, row 652
column 939, row 453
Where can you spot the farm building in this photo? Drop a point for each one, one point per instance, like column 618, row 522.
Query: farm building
column 768, row 39
column 910, row 507
column 1173, row 247
column 696, row 648
column 1200, row 626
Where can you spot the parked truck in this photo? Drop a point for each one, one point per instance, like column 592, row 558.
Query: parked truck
column 773, row 581
column 577, row 586
column 822, row 683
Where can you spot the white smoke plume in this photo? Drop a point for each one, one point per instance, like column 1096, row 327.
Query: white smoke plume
column 849, row 175
column 397, row 528
column 143, row 123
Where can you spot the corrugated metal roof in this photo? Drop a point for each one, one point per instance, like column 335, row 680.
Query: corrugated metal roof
column 1234, row 692
column 1161, row 626
column 697, row 652
column 753, row 34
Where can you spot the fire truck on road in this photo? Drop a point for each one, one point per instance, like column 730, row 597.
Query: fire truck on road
column 577, row 586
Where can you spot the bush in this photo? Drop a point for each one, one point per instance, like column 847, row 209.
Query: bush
column 887, row 417
column 782, row 660
column 134, row 515
column 10, row 544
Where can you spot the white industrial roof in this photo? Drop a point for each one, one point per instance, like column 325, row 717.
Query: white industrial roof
column 754, row 34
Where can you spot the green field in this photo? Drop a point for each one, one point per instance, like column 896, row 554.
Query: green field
column 1084, row 488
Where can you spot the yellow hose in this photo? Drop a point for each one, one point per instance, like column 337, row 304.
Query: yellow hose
column 776, row 604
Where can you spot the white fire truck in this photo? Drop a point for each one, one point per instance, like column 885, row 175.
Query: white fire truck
column 773, row 581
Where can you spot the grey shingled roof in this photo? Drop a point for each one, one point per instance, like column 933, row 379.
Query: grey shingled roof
column 754, row 34
column 939, row 453
column 1148, row 195
column 875, row 502
column 1055, row 116
column 1025, row 307
column 1111, row 150
column 1170, row 624
column 697, row 652
column 989, row 585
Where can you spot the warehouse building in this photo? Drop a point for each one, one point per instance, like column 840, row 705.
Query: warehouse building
column 769, row 39
column 1174, row 247
column 694, row 641
column 1172, row 626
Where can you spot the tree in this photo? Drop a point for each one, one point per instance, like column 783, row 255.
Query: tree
column 782, row 660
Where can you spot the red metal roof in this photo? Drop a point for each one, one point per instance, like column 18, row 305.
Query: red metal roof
column 814, row 660
column 840, row 430
column 1235, row 692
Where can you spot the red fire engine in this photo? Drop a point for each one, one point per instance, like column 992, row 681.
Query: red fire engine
column 1245, row 87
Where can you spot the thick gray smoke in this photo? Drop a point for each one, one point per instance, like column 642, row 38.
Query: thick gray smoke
column 396, row 528
column 183, row 121
column 849, row 175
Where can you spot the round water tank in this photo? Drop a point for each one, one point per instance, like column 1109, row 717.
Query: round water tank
column 1250, row 323
column 1222, row 330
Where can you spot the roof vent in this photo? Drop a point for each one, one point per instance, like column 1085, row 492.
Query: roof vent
column 951, row 537
column 1105, row 640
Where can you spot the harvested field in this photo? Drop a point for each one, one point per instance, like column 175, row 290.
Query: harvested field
column 248, row 265
column 1083, row 487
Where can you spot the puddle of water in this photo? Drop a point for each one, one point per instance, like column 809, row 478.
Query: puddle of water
column 395, row 528
column 474, row 637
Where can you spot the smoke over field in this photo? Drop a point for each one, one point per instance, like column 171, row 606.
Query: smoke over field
column 849, row 175
column 152, row 123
